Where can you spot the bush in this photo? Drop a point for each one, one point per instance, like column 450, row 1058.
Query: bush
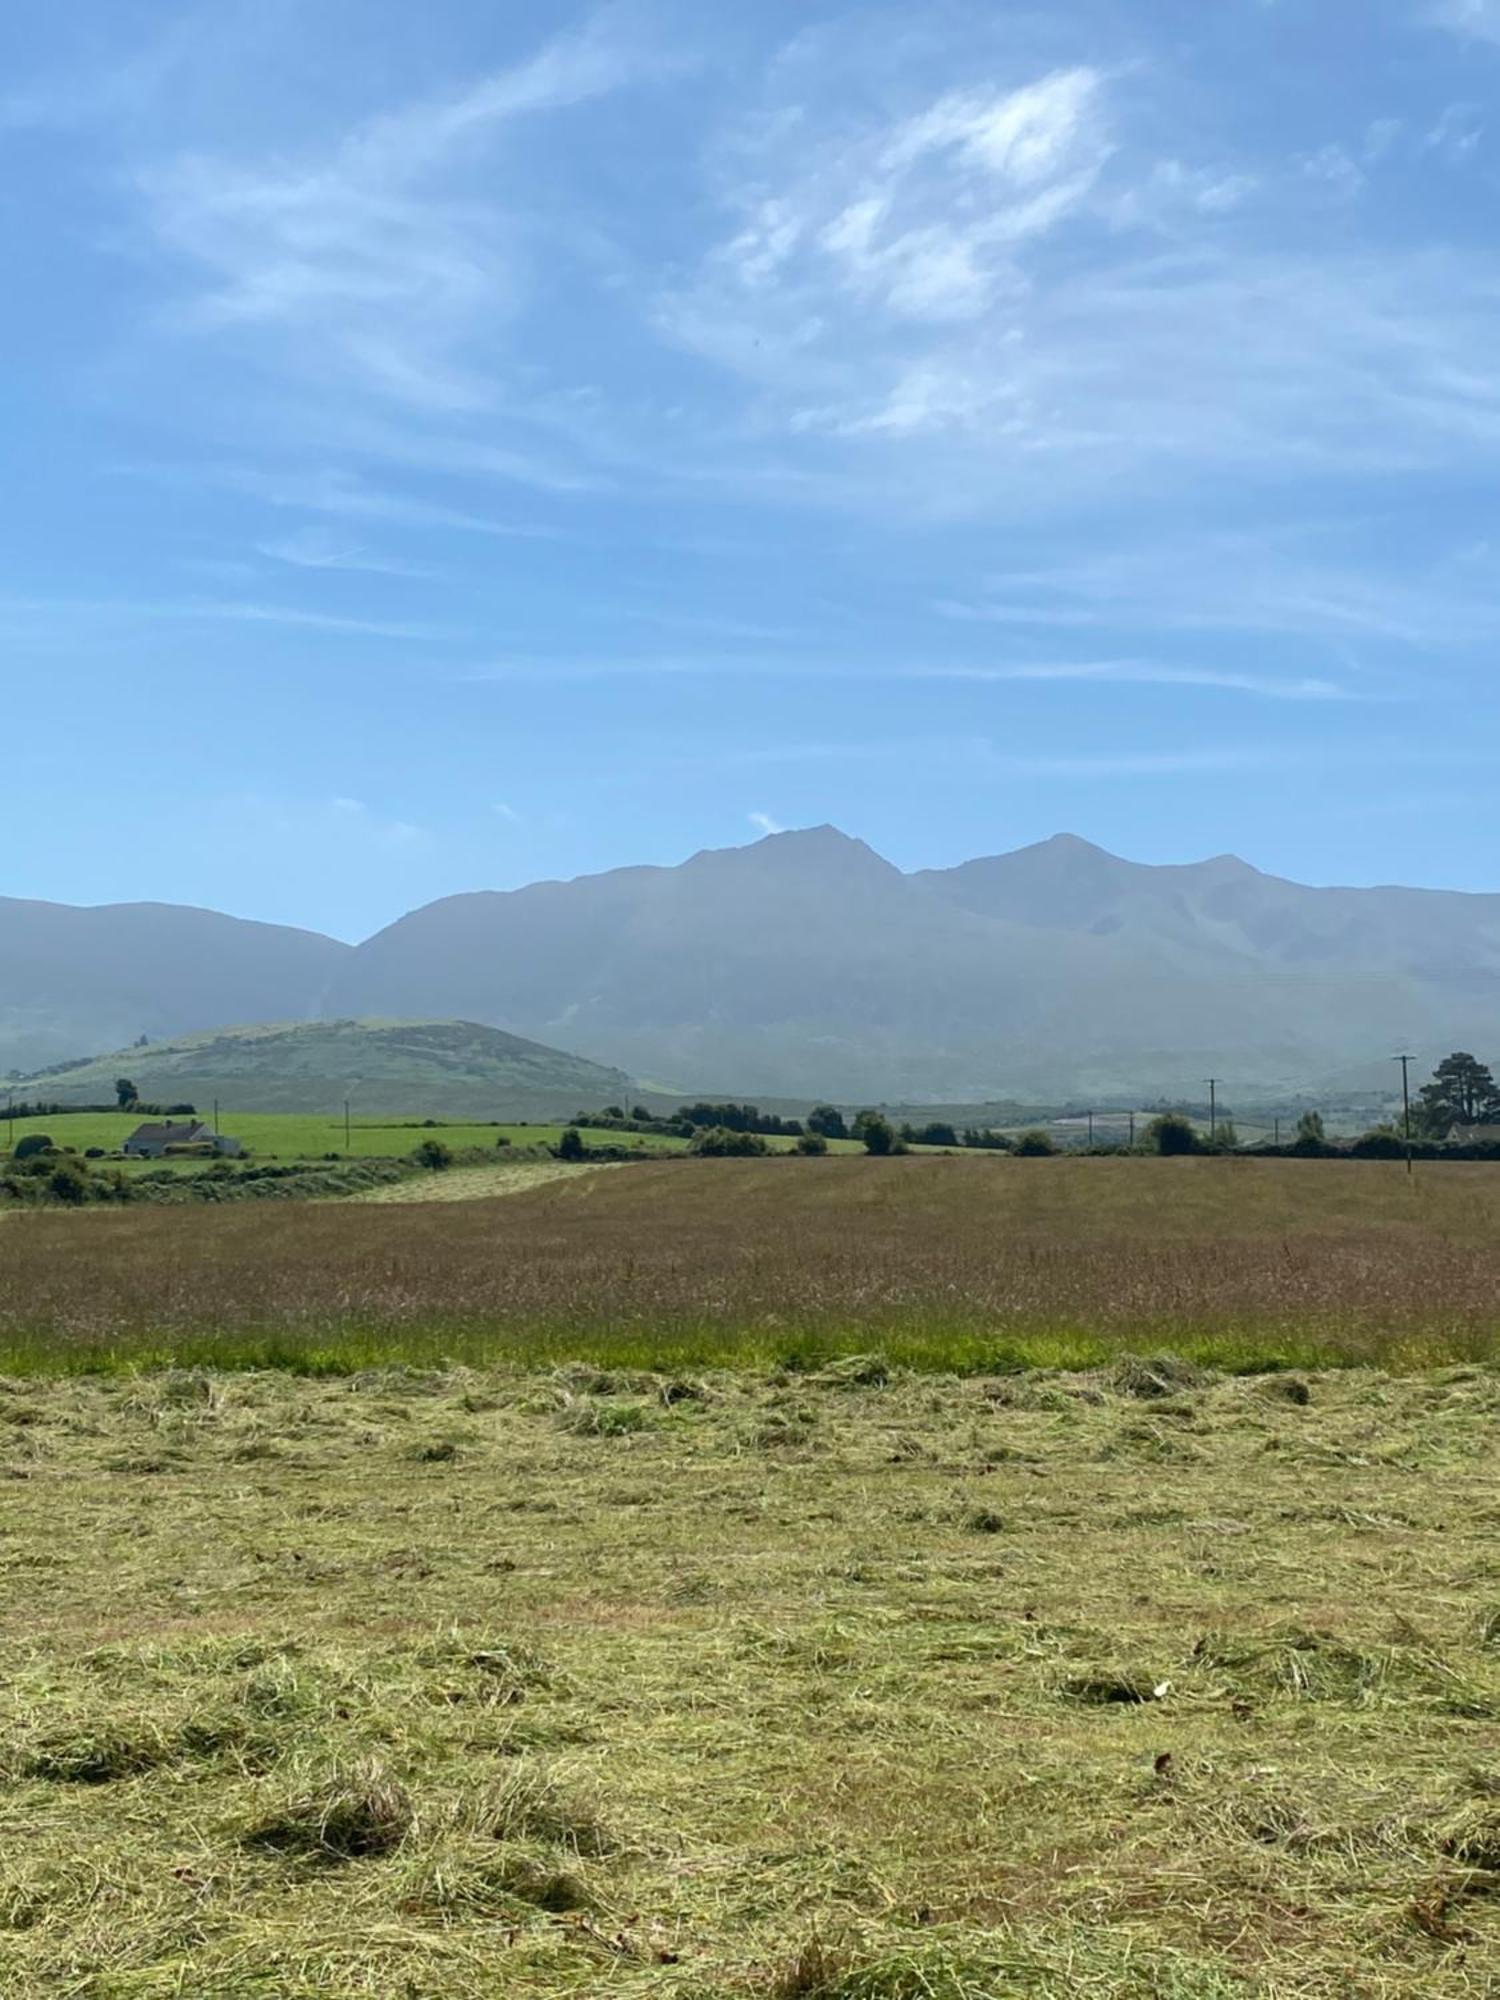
column 33, row 1144
column 68, row 1181
column 1035, row 1145
column 812, row 1143
column 570, row 1146
column 720, row 1143
column 828, row 1121
column 876, row 1133
column 433, row 1155
column 502, row 1140
column 1172, row 1135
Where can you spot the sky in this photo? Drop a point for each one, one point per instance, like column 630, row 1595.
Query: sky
column 447, row 447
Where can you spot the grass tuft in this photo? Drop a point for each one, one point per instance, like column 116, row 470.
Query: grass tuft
column 352, row 1814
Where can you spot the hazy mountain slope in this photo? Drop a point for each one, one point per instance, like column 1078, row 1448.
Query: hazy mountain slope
column 418, row 1068
column 77, row 980
column 805, row 963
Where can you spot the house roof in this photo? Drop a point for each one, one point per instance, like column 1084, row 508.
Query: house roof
column 1474, row 1135
column 171, row 1133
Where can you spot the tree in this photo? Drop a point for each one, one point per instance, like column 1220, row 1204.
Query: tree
column 1462, row 1092
column 812, row 1144
column 1172, row 1135
column 1226, row 1138
column 829, row 1120
column 570, row 1146
column 1035, row 1144
column 1311, row 1138
column 875, row 1133
column 125, row 1092
column 433, row 1155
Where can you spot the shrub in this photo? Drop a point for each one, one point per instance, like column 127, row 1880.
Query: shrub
column 812, row 1143
column 570, row 1146
column 502, row 1140
column 876, row 1133
column 1172, row 1135
column 828, row 1120
column 433, row 1155
column 1035, row 1145
column 720, row 1143
column 33, row 1144
column 68, row 1181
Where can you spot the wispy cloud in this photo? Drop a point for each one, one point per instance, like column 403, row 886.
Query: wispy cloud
column 763, row 823
column 1061, row 673
column 1146, row 673
column 349, row 497
column 362, row 258
column 317, row 549
column 1479, row 19
column 34, row 618
column 978, row 305
column 1270, row 581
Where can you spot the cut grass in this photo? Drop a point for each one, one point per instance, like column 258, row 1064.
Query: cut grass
column 676, row 1710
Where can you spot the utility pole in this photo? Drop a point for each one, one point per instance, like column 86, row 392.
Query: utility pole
column 1213, row 1109
column 1091, row 1128
column 1277, row 1140
column 1132, row 1131
column 1406, row 1063
column 346, row 1127
column 216, row 1117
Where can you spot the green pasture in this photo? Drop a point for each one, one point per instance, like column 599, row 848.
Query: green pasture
column 274, row 1135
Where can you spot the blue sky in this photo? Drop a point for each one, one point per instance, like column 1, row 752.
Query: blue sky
column 454, row 445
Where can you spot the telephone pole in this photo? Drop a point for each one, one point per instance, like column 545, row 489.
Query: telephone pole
column 1213, row 1109
column 1406, row 1063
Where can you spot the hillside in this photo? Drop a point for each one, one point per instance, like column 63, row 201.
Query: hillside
column 75, row 981
column 414, row 1068
column 806, row 963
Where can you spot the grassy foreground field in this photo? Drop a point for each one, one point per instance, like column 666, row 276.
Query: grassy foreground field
column 962, row 1264
column 841, row 1687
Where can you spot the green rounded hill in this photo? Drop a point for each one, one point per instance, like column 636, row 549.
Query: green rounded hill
column 426, row 1068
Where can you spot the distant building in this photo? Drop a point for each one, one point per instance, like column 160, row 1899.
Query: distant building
column 153, row 1142
column 1475, row 1135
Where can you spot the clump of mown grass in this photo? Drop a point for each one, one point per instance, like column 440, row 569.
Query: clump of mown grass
column 533, row 1803
column 586, row 1416
column 478, row 1877
column 932, row 1972
column 352, row 1813
column 93, row 1753
column 1472, row 1835
column 1149, row 1379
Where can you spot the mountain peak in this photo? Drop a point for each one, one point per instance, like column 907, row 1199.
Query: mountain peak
column 798, row 848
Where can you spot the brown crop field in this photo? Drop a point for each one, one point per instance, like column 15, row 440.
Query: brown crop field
column 949, row 1263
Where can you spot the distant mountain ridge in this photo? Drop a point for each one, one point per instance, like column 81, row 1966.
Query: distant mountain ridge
column 805, row 963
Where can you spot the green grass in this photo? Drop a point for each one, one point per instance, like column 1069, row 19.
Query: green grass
column 1146, row 1684
column 292, row 1136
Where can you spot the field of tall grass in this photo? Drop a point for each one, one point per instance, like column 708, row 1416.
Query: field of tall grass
column 961, row 1264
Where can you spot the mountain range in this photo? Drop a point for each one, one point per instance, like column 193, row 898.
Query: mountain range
column 806, row 964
